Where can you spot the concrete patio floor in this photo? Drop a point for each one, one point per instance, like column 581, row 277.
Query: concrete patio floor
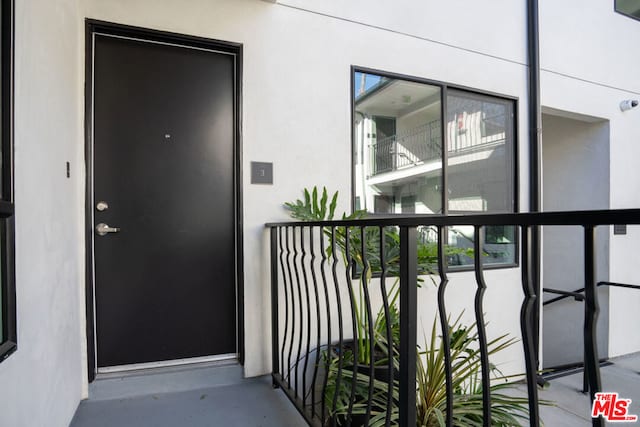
column 204, row 396
column 219, row 396
column 621, row 375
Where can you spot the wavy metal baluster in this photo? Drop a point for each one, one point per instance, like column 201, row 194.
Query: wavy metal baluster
column 308, row 305
column 370, row 320
column 526, row 325
column 318, row 320
column 444, row 321
column 293, row 311
column 336, row 283
column 354, row 322
column 300, row 336
column 286, row 303
column 387, row 317
column 329, row 338
column 480, row 324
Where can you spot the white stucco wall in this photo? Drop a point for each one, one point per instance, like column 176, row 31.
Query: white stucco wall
column 589, row 40
column 589, row 66
column 296, row 88
column 41, row 384
column 461, row 23
column 575, row 157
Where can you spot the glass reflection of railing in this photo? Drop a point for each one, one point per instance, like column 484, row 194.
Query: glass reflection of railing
column 409, row 148
column 470, row 131
column 413, row 147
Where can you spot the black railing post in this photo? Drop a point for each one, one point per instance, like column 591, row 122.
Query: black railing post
column 527, row 321
column 591, row 309
column 408, row 323
column 275, row 359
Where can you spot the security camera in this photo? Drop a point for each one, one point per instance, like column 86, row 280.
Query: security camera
column 628, row 104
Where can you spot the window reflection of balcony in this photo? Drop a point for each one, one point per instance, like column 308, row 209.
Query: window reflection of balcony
column 405, row 149
column 419, row 145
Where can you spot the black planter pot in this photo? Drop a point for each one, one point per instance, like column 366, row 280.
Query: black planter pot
column 381, row 372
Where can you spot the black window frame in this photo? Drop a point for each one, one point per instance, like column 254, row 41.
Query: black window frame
column 9, row 344
column 444, row 87
column 615, row 8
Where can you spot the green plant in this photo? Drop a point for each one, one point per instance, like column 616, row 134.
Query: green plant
column 365, row 262
column 314, row 209
column 506, row 409
column 339, row 387
column 317, row 206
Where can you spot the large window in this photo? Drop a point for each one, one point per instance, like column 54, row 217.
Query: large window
column 412, row 138
column 629, row 7
column 7, row 283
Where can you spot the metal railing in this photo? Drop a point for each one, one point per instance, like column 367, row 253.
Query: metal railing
column 579, row 295
column 421, row 144
column 409, row 148
column 330, row 337
column 474, row 131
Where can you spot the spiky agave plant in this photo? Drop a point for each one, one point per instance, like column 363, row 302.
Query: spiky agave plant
column 506, row 410
column 431, row 398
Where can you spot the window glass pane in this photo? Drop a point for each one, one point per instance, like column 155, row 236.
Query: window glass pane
column 397, row 145
column 480, row 144
column 629, row 7
column 480, row 132
column 499, row 245
column 398, row 157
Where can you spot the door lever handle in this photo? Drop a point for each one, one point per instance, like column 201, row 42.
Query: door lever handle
column 103, row 229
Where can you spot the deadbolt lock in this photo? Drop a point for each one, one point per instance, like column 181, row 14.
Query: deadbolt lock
column 102, row 206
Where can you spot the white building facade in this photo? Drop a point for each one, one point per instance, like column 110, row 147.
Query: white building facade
column 297, row 80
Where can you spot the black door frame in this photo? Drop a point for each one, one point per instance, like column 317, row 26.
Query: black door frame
column 92, row 27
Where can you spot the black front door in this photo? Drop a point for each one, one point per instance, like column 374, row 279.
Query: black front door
column 163, row 209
